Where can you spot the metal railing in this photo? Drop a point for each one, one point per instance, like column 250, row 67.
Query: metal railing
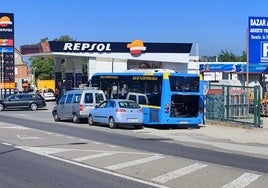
column 234, row 103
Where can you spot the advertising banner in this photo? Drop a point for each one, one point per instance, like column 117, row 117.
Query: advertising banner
column 7, row 52
column 258, row 40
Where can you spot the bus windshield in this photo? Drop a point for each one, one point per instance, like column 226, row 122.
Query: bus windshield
column 184, row 84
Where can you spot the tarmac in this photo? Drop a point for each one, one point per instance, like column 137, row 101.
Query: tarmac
column 246, row 140
column 234, row 139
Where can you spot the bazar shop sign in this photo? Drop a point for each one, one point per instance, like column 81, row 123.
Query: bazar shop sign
column 258, row 40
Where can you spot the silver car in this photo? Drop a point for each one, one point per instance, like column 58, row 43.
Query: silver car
column 76, row 104
column 117, row 112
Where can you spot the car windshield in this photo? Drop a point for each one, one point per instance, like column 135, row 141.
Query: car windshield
column 128, row 104
column 49, row 91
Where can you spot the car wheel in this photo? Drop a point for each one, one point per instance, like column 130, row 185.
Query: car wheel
column 112, row 124
column 75, row 118
column 1, row 107
column 56, row 116
column 33, row 106
column 90, row 120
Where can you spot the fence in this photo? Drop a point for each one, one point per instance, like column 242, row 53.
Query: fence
column 234, row 103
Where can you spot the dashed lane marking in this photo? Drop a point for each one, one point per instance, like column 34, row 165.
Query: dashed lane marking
column 178, row 173
column 135, row 162
column 28, row 137
column 43, row 150
column 94, row 156
column 31, row 149
column 12, row 127
column 7, row 144
column 243, row 181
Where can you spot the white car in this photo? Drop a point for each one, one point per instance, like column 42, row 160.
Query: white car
column 48, row 94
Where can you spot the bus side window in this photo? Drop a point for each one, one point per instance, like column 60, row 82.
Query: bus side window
column 142, row 100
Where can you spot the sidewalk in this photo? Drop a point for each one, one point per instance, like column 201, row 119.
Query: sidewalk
column 239, row 139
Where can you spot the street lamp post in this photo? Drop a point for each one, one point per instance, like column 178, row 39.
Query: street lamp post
column 33, row 78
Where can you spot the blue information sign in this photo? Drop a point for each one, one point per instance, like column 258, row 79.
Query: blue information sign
column 258, row 40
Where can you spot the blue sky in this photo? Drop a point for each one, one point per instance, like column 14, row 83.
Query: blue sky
column 214, row 24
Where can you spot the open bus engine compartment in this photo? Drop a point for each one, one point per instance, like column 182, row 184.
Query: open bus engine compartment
column 184, row 106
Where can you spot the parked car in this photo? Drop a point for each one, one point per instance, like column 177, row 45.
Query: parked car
column 140, row 98
column 48, row 94
column 33, row 101
column 76, row 104
column 117, row 112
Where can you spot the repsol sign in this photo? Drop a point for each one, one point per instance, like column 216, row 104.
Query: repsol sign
column 116, row 47
column 87, row 47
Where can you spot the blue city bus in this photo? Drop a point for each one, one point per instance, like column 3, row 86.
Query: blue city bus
column 171, row 98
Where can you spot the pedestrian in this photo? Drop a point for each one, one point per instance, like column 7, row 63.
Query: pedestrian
column 57, row 94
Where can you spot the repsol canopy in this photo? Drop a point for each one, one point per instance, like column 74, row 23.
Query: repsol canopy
column 135, row 47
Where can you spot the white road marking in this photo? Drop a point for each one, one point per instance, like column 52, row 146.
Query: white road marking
column 83, row 140
column 94, row 156
column 243, row 180
column 135, row 162
column 30, row 149
column 7, row 144
column 59, row 135
column 178, row 173
column 97, row 143
column 112, row 146
column 43, row 150
column 27, row 137
column 13, row 127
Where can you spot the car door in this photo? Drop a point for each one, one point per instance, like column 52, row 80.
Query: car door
column 68, row 106
column 25, row 100
column 18, row 101
column 99, row 113
column 88, row 103
column 107, row 111
column 61, row 106
column 11, row 101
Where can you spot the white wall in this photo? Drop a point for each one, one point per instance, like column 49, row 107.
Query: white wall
column 106, row 65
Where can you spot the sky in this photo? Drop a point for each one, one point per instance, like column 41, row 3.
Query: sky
column 214, row 25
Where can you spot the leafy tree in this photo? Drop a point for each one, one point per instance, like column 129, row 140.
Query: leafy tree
column 225, row 56
column 64, row 38
column 243, row 58
column 44, row 67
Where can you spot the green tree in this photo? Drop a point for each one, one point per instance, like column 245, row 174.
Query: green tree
column 243, row 58
column 227, row 56
column 44, row 67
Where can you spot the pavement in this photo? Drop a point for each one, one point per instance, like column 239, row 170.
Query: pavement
column 235, row 139
column 216, row 136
